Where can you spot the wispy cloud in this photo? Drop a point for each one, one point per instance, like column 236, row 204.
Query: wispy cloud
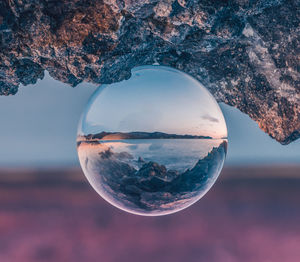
column 210, row 118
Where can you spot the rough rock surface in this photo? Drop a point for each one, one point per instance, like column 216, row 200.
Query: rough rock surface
column 246, row 52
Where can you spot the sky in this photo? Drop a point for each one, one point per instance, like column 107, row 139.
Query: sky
column 155, row 99
column 39, row 127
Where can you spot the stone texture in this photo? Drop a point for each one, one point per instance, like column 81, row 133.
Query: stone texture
column 246, row 52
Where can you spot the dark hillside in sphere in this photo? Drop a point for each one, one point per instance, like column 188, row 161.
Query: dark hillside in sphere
column 140, row 135
column 152, row 188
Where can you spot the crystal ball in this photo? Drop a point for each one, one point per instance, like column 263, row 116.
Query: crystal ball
column 153, row 144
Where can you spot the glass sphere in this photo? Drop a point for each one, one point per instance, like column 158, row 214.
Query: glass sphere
column 154, row 144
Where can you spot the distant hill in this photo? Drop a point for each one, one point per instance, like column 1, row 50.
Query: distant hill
column 140, row 135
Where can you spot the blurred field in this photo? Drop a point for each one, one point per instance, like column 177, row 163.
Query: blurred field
column 251, row 214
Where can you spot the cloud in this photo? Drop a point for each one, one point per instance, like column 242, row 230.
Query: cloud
column 210, row 118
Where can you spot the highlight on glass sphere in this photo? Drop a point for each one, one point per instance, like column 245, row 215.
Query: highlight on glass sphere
column 154, row 144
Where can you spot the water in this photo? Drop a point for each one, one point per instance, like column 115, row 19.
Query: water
column 154, row 144
column 177, row 154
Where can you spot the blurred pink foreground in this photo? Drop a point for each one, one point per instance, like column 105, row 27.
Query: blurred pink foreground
column 251, row 214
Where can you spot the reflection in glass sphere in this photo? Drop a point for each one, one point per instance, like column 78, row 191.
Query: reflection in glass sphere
column 154, row 144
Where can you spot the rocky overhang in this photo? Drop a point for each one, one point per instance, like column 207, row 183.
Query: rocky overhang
column 247, row 53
